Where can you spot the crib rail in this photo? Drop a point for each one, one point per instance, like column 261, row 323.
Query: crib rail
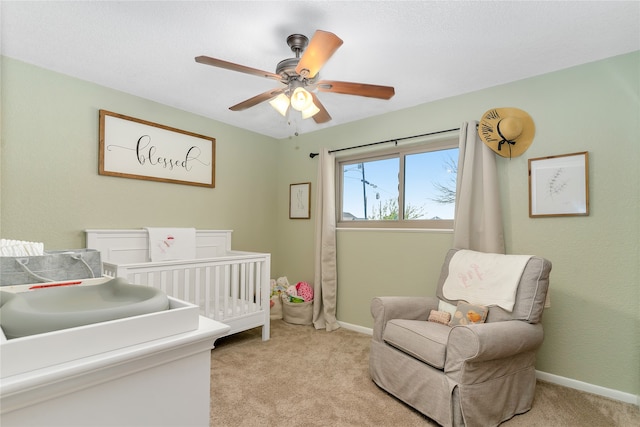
column 225, row 288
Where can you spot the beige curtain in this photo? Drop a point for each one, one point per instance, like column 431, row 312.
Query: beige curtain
column 325, row 285
column 478, row 219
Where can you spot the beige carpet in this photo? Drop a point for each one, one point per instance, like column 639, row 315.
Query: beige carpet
column 305, row 377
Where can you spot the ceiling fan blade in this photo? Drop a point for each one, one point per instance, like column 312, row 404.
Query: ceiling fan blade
column 322, row 46
column 236, row 67
column 322, row 116
column 359, row 89
column 257, row 99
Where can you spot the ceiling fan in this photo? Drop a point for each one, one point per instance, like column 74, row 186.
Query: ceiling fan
column 300, row 78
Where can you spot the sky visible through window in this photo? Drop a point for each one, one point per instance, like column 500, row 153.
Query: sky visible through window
column 425, row 175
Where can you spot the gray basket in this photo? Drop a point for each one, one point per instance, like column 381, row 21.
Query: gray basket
column 53, row 266
column 298, row 313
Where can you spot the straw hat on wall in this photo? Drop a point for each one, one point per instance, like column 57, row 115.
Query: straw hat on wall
column 507, row 131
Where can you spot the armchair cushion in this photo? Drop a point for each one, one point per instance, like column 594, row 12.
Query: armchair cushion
column 384, row 309
column 426, row 341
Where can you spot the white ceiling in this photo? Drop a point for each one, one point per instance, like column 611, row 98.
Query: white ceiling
column 427, row 50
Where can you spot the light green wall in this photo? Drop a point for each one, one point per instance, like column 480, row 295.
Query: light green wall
column 592, row 330
column 51, row 190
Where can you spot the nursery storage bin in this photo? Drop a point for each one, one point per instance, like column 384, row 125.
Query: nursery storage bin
column 298, row 313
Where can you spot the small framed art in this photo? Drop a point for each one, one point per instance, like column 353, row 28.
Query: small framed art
column 559, row 185
column 300, row 201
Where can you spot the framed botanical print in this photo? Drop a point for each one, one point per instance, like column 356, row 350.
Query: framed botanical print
column 300, row 201
column 559, row 185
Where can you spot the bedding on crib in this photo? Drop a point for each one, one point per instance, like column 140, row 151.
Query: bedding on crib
column 229, row 286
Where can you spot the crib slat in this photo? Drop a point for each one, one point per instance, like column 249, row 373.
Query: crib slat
column 163, row 281
column 259, row 288
column 229, row 284
column 154, row 279
column 207, row 292
column 236, row 285
column 174, row 282
column 244, row 297
column 253, row 297
column 196, row 281
column 244, row 293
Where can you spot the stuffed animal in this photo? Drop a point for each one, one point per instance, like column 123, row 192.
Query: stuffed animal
column 305, row 291
column 279, row 286
column 283, row 282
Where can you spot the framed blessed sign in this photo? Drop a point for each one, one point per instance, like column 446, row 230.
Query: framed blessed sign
column 559, row 185
column 134, row 148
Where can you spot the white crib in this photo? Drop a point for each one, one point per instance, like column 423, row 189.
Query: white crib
column 231, row 287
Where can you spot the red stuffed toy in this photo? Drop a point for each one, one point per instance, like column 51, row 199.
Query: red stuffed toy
column 304, row 291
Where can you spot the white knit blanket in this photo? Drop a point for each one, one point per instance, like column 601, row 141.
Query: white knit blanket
column 484, row 278
column 171, row 243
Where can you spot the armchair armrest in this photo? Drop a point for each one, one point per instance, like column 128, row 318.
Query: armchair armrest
column 491, row 341
column 384, row 309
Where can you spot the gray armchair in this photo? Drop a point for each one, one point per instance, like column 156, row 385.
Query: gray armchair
column 474, row 375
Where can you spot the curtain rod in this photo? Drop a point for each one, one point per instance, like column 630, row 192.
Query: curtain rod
column 312, row 155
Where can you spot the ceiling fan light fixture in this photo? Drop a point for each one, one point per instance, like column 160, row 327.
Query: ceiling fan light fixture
column 301, row 99
column 310, row 111
column 280, row 103
column 300, row 73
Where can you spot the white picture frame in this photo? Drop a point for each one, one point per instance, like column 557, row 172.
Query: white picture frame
column 300, row 200
column 559, row 185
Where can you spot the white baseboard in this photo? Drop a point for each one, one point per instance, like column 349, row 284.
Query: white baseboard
column 356, row 328
column 551, row 378
column 589, row 388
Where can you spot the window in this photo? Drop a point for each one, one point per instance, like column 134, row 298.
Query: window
column 412, row 186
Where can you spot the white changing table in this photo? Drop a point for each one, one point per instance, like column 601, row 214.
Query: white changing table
column 139, row 371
